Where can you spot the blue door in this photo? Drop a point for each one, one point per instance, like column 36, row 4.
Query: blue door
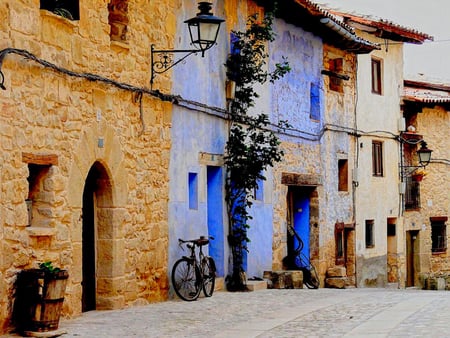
column 301, row 219
column 215, row 216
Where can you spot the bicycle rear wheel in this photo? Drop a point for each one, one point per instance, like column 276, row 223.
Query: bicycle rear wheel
column 209, row 275
column 184, row 279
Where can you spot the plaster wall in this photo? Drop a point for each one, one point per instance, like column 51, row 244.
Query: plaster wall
column 377, row 198
column 290, row 100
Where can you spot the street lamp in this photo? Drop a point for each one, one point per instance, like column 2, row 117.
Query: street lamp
column 424, row 154
column 203, row 31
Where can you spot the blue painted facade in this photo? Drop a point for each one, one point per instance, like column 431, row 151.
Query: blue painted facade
column 198, row 209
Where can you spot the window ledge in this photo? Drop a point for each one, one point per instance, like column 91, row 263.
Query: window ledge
column 34, row 231
column 439, row 252
column 120, row 44
column 49, row 14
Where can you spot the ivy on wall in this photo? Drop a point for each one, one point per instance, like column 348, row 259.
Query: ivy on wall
column 252, row 145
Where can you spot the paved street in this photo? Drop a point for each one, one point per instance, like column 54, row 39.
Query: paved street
column 278, row 313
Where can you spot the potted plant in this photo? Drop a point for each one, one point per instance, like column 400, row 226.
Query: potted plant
column 418, row 175
column 40, row 296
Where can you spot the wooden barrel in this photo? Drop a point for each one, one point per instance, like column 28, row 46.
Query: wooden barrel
column 45, row 299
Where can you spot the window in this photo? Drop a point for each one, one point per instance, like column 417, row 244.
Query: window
column 66, row 8
column 118, row 19
column 38, row 202
column 377, row 158
column 391, row 229
column 339, row 238
column 343, row 175
column 314, row 94
column 234, row 59
column 412, row 194
column 370, row 240
column 438, row 234
column 258, row 193
column 376, row 76
column 193, row 191
column 336, row 66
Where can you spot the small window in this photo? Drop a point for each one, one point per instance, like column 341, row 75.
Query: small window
column 234, row 60
column 343, row 175
column 38, row 202
column 193, row 191
column 339, row 238
column 370, row 240
column 376, row 76
column 68, row 9
column 258, row 193
column 377, row 158
column 412, row 194
column 391, row 229
column 314, row 94
column 118, row 19
column 336, row 66
column 438, row 236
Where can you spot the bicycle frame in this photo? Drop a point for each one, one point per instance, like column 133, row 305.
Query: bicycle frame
column 192, row 273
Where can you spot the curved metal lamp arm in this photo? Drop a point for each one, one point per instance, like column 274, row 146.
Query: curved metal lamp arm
column 165, row 59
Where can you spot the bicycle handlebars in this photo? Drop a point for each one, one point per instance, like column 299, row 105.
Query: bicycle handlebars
column 198, row 242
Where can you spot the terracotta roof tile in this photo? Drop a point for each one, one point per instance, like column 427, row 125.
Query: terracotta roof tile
column 384, row 28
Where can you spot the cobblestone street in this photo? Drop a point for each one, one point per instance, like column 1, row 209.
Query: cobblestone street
column 278, row 313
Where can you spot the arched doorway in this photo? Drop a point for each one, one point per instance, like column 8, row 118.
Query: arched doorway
column 96, row 227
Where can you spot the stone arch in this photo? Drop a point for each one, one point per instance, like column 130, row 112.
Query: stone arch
column 99, row 150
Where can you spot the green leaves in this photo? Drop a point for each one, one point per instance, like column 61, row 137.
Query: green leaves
column 252, row 145
column 49, row 268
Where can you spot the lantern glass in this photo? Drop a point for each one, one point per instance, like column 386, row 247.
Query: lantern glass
column 204, row 28
column 424, row 154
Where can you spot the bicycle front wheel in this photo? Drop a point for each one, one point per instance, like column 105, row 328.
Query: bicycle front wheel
column 209, row 275
column 184, row 279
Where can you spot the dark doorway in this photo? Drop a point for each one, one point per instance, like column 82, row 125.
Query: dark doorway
column 412, row 241
column 89, row 258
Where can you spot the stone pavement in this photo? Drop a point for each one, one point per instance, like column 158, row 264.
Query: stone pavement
column 369, row 313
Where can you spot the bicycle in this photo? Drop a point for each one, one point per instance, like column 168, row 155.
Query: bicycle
column 191, row 274
column 298, row 261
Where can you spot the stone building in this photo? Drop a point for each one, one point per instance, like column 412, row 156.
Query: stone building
column 380, row 243
column 311, row 187
column 85, row 148
column 426, row 204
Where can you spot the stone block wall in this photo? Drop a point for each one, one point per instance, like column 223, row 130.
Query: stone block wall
column 69, row 125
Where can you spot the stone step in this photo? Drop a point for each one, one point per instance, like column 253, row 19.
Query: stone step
column 255, row 285
column 220, row 284
column 392, row 286
column 284, row 279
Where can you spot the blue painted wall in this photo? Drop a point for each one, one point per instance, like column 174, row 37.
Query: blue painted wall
column 197, row 79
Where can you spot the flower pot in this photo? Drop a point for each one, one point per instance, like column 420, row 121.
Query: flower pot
column 417, row 178
column 40, row 296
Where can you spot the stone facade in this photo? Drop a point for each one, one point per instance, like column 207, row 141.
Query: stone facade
column 432, row 123
column 73, row 147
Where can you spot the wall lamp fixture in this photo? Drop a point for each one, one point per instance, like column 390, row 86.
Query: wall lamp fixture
column 203, row 31
column 424, row 155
